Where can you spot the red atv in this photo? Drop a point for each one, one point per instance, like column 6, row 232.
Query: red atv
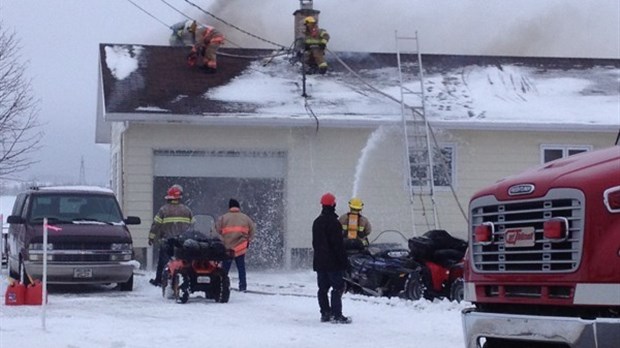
column 440, row 257
column 196, row 266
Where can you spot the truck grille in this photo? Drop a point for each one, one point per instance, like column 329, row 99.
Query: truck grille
column 544, row 256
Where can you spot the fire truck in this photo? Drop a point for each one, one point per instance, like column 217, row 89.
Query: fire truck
column 543, row 262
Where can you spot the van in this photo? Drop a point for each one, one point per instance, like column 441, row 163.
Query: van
column 88, row 239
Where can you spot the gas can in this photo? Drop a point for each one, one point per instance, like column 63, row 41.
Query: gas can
column 15, row 294
column 34, row 293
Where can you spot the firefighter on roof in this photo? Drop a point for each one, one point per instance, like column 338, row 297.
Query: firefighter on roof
column 205, row 41
column 315, row 43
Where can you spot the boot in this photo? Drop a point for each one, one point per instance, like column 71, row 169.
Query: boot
column 341, row 319
column 325, row 318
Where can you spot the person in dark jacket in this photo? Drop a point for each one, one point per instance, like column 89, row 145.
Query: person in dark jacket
column 330, row 260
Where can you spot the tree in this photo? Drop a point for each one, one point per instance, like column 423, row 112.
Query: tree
column 20, row 132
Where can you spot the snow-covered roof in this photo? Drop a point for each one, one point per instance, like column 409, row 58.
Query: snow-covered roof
column 154, row 84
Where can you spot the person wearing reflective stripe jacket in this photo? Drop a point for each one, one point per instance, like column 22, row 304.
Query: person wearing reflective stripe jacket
column 236, row 231
column 172, row 219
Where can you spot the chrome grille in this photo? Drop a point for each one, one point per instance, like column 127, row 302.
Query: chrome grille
column 545, row 256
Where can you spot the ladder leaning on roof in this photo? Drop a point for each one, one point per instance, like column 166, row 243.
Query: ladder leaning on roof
column 418, row 150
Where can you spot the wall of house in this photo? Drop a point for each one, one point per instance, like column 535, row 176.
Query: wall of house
column 317, row 162
column 366, row 163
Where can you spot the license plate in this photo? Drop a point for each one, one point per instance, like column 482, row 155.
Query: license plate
column 520, row 237
column 203, row 279
column 82, row 273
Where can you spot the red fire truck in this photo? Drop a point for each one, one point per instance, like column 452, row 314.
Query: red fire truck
column 543, row 262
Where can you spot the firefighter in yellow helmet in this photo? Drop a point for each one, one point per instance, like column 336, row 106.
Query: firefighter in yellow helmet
column 315, row 42
column 354, row 225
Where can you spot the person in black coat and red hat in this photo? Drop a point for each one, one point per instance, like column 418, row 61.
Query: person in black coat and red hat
column 330, row 260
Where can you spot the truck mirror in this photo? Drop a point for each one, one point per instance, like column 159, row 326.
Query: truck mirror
column 132, row 220
column 15, row 219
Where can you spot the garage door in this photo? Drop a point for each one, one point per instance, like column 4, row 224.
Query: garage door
column 211, row 178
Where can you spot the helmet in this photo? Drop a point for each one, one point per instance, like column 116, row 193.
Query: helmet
column 190, row 26
column 356, row 203
column 328, row 199
column 309, row 20
column 174, row 192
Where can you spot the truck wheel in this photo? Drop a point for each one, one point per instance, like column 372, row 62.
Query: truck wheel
column 457, row 290
column 128, row 285
column 414, row 287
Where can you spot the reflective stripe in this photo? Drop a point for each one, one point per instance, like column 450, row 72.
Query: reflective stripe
column 233, row 229
column 597, row 294
column 241, row 248
column 173, row 219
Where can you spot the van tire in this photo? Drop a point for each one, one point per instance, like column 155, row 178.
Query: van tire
column 128, row 285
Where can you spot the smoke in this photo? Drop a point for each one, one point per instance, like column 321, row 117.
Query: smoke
column 567, row 28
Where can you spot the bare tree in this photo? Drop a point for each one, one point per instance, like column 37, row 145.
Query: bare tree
column 20, row 132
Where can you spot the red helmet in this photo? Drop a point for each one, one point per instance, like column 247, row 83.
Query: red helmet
column 328, row 199
column 174, row 192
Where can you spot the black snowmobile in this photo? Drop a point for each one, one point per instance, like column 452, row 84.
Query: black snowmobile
column 382, row 269
column 431, row 267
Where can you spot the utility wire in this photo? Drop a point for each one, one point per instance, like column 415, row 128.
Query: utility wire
column 150, row 15
column 234, row 26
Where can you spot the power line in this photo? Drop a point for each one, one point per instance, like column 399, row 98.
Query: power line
column 234, row 26
column 150, row 15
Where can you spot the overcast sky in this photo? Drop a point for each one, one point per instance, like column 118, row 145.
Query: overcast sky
column 60, row 40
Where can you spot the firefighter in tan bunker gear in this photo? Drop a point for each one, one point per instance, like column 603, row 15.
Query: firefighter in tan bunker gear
column 315, row 43
column 354, row 225
column 236, row 231
column 172, row 219
column 205, row 40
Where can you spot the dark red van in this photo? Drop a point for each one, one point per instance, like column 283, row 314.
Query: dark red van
column 88, row 239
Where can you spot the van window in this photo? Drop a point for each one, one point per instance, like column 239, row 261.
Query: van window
column 71, row 207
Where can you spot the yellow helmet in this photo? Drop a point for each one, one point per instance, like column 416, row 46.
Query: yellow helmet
column 309, row 20
column 356, row 203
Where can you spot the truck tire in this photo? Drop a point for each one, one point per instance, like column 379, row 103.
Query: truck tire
column 457, row 290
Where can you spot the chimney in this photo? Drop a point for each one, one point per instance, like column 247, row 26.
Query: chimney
column 305, row 10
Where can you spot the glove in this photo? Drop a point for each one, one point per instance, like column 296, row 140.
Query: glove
column 191, row 59
column 322, row 46
column 150, row 242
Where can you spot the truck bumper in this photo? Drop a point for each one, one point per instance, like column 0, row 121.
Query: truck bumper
column 575, row 332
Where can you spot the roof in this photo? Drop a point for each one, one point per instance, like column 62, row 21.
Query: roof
column 154, row 84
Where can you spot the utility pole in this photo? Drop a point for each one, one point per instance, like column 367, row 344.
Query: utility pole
column 82, row 180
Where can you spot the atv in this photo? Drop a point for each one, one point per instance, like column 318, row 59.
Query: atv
column 196, row 266
column 440, row 256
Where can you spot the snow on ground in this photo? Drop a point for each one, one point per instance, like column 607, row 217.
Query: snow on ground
column 102, row 316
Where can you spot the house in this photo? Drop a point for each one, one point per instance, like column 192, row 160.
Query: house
column 259, row 132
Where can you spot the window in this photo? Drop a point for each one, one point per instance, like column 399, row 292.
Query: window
column 443, row 166
column 553, row 152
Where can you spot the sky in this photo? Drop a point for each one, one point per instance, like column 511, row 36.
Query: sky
column 60, row 41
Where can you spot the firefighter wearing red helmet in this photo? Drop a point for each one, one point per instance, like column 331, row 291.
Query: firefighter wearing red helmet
column 330, row 261
column 172, row 219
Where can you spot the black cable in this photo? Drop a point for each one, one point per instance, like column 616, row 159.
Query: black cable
column 234, row 26
column 150, row 15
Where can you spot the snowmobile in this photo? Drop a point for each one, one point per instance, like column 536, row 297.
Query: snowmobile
column 196, row 265
column 440, row 256
column 432, row 267
column 382, row 269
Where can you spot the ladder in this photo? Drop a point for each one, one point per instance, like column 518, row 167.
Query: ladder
column 419, row 152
